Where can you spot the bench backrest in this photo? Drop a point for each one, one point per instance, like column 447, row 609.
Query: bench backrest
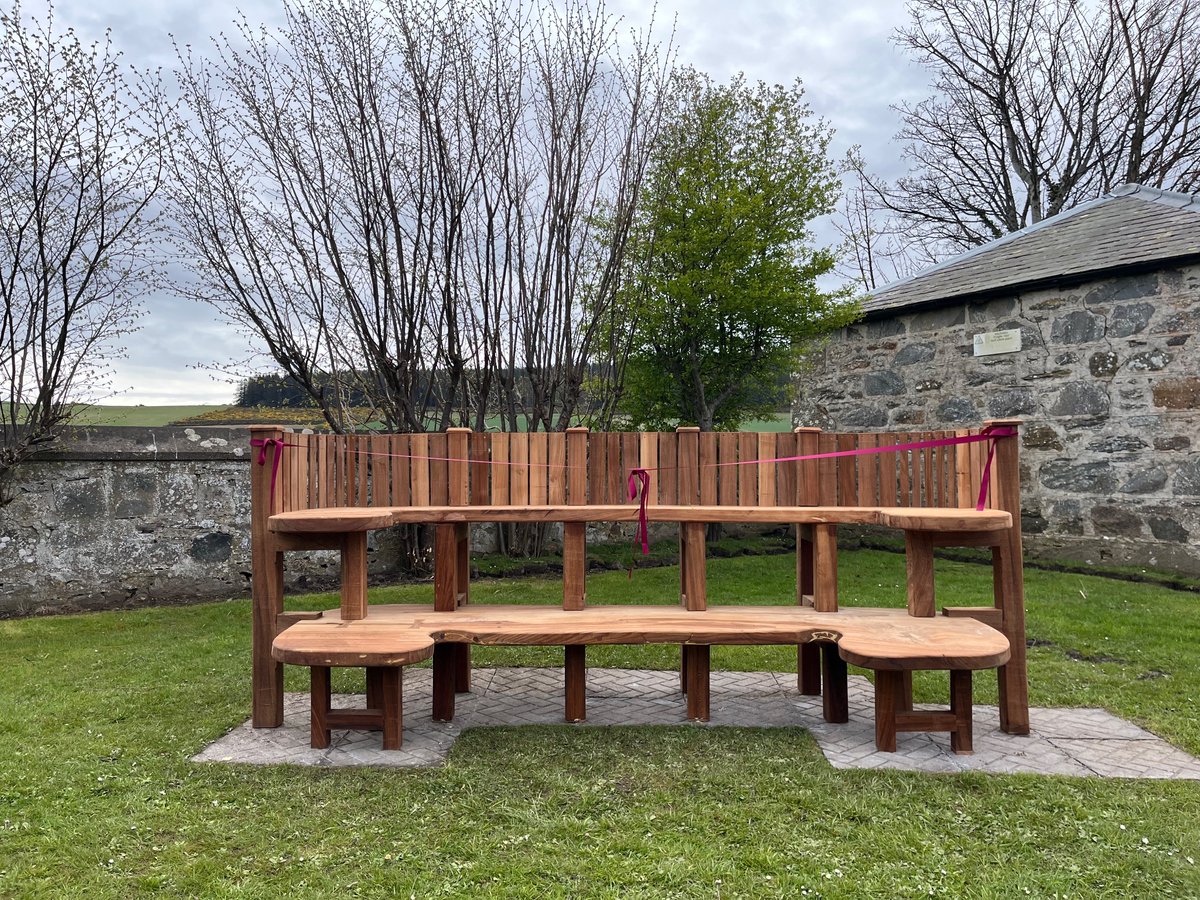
column 460, row 467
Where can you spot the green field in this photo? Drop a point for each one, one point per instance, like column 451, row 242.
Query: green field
column 141, row 416
column 100, row 713
column 158, row 416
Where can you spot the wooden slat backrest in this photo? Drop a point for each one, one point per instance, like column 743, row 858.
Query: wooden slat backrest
column 539, row 456
column 668, row 461
column 747, row 475
column 766, row 470
column 556, row 468
column 868, row 471
column 518, row 479
column 481, row 472
column 688, row 462
column 648, row 456
column 685, row 467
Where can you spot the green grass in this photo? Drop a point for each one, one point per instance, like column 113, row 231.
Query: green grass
column 99, row 714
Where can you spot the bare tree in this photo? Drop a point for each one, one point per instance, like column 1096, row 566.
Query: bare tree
column 1040, row 105
column 423, row 203
column 80, row 152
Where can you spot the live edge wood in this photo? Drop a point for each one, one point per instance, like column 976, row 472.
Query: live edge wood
column 343, row 519
column 881, row 639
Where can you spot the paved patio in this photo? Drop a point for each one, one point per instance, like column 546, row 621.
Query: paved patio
column 1082, row 742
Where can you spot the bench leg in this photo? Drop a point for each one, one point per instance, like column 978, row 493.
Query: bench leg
column 319, row 728
column 391, row 689
column 808, row 669
column 697, row 664
column 961, row 738
column 889, row 687
column 836, row 699
column 445, row 675
column 375, row 676
column 575, row 676
column 462, row 668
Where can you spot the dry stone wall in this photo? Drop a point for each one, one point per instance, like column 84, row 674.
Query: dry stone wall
column 123, row 516
column 1107, row 382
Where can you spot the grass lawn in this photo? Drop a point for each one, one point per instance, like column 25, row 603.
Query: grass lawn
column 99, row 714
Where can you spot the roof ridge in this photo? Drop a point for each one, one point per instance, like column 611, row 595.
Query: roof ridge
column 1173, row 200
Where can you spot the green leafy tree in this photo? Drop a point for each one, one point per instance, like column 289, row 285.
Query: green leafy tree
column 723, row 288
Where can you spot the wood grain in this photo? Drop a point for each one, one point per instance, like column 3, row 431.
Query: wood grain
column 882, row 639
column 368, row 518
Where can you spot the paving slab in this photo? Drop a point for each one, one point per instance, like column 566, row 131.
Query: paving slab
column 1080, row 742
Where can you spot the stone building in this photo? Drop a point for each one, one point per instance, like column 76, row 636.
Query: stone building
column 1085, row 326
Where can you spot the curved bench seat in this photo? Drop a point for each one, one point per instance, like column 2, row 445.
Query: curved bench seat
column 888, row 641
column 868, row 637
column 352, row 518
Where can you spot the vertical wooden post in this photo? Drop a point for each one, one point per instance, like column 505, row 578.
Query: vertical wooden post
column 574, row 533
column 918, row 562
column 266, row 585
column 836, row 700
column 825, row 578
column 318, row 686
column 808, row 656
column 575, row 570
column 1008, row 561
column 354, row 575
column 961, row 706
column 693, row 589
column 888, row 689
column 459, row 494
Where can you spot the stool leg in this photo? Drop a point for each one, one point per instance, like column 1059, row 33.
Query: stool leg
column 445, row 661
column 808, row 669
column 889, row 689
column 575, row 676
column 961, row 739
column 697, row 657
column 319, row 686
column 391, row 688
column 905, row 701
column 836, row 705
column 375, row 686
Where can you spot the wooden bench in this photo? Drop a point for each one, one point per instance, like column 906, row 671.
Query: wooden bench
column 334, row 490
column 888, row 641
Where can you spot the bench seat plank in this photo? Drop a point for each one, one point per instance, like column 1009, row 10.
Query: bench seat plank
column 343, row 519
column 886, row 639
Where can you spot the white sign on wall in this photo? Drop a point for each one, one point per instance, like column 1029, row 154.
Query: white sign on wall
column 990, row 343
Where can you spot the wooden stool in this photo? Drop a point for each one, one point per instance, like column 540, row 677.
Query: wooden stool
column 894, row 712
column 384, row 712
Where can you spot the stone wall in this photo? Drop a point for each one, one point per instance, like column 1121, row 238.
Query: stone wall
column 122, row 516
column 1107, row 382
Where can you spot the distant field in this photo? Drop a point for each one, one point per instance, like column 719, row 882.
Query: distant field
column 158, row 416
column 142, row 416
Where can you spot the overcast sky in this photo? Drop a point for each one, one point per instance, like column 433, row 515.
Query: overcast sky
column 842, row 51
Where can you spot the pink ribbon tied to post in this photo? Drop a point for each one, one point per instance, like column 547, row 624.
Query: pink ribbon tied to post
column 276, row 445
column 643, row 530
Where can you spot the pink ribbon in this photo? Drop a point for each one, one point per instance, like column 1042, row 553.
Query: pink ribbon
column 643, row 529
column 276, row 457
column 989, row 433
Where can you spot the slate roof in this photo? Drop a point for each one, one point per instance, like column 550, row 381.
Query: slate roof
column 1132, row 228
